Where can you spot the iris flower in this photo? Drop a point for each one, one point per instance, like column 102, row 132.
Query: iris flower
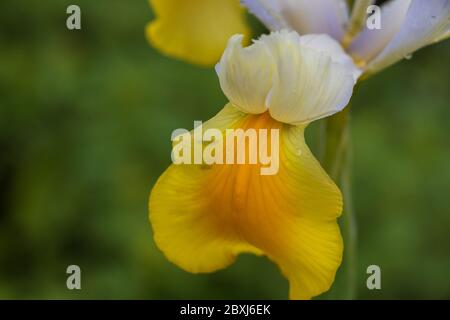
column 197, row 30
column 203, row 216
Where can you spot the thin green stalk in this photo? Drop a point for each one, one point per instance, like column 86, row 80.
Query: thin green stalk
column 337, row 162
column 349, row 230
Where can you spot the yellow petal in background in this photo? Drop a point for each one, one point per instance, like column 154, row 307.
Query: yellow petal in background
column 196, row 30
column 204, row 216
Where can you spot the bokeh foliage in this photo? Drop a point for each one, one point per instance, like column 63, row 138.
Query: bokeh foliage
column 85, row 124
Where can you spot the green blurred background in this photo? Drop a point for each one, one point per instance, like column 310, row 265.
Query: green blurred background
column 85, row 124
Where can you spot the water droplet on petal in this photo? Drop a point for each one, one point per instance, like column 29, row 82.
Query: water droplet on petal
column 408, row 56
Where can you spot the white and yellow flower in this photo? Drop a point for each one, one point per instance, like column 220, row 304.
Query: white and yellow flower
column 204, row 216
column 183, row 28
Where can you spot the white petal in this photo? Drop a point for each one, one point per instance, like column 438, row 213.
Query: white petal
column 369, row 43
column 332, row 48
column 308, row 84
column 299, row 79
column 426, row 22
column 245, row 75
column 303, row 16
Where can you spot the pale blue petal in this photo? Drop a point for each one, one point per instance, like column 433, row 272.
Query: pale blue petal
column 268, row 12
column 426, row 22
column 304, row 16
column 369, row 43
column 317, row 16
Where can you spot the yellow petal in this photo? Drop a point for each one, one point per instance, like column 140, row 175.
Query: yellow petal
column 204, row 216
column 196, row 30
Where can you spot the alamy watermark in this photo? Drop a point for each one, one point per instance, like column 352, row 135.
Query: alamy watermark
column 374, row 19
column 232, row 146
column 374, row 280
column 73, row 281
column 73, row 21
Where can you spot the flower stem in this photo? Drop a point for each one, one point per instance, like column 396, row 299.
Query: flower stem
column 349, row 230
column 337, row 162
